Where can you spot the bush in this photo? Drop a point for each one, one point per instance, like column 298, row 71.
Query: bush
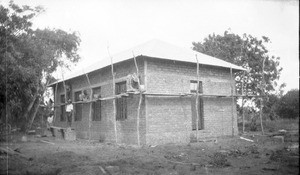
column 289, row 105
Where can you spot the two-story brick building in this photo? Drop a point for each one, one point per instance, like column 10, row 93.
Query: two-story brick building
column 167, row 112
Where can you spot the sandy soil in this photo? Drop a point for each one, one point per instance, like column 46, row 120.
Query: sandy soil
column 226, row 155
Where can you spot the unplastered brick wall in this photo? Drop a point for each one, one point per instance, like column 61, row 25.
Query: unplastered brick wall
column 218, row 117
column 169, row 119
column 167, row 76
column 104, row 129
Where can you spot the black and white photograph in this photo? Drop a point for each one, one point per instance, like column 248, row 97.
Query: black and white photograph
column 150, row 87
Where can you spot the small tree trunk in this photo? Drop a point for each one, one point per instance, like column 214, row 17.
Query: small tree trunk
column 34, row 111
column 243, row 115
column 34, row 105
column 26, row 113
column 260, row 116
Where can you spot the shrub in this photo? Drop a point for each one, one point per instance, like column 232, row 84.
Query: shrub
column 289, row 104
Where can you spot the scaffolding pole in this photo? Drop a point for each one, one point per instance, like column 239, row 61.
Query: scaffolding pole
column 197, row 101
column 66, row 100
column 232, row 105
column 243, row 114
column 90, row 113
column 114, row 100
column 167, row 95
column 140, row 102
column 55, row 99
column 100, row 99
column 261, row 99
column 64, row 83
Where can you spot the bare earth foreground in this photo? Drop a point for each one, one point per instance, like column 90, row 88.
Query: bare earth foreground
column 225, row 155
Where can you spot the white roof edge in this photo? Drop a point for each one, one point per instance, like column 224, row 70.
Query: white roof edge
column 159, row 50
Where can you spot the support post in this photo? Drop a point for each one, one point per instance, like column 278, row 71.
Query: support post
column 114, row 100
column 232, row 105
column 64, row 84
column 55, row 101
column 140, row 102
column 197, row 101
column 260, row 116
column 138, row 119
column 136, row 66
column 243, row 114
column 90, row 113
column 261, row 99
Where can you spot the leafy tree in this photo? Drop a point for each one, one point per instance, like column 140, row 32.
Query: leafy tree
column 250, row 53
column 28, row 57
column 271, row 106
column 289, row 104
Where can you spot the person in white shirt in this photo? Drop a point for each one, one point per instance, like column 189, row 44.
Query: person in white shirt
column 49, row 120
column 69, row 110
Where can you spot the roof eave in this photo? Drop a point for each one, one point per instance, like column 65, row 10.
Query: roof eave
column 236, row 68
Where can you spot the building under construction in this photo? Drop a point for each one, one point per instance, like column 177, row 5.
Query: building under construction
column 154, row 93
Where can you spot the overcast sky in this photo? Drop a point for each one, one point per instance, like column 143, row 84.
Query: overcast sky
column 122, row 24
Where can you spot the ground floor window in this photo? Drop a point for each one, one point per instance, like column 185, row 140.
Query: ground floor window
column 193, row 89
column 121, row 103
column 200, row 112
column 78, row 106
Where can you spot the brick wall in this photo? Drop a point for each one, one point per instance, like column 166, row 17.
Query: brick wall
column 168, row 119
column 126, row 129
column 162, row 120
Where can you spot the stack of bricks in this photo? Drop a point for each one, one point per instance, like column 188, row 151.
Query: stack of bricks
column 57, row 132
column 70, row 134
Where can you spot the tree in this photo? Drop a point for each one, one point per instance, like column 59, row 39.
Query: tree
column 28, row 57
column 250, row 53
column 289, row 104
column 271, row 106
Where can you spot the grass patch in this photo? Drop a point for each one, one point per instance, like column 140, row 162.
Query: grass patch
column 272, row 125
column 219, row 160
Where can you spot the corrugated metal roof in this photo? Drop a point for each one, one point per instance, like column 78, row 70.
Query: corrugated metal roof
column 156, row 49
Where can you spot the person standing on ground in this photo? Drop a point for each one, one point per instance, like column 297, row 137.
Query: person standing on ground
column 69, row 110
column 49, row 120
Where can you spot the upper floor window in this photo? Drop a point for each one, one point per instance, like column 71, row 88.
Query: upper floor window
column 193, row 87
column 97, row 104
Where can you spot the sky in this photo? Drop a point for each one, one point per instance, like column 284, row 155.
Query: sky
column 122, row 24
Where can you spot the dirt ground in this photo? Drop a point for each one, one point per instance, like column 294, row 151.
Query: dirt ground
column 224, row 155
